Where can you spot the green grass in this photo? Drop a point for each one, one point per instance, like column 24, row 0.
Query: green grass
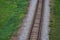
column 55, row 20
column 12, row 13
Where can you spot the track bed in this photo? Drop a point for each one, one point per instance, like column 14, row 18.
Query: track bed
column 35, row 31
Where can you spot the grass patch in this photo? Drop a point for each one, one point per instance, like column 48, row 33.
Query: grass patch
column 55, row 20
column 12, row 13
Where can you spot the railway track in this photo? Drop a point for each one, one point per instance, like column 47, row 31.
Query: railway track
column 35, row 26
column 35, row 32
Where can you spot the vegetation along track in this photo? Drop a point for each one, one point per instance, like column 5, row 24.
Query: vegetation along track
column 35, row 31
